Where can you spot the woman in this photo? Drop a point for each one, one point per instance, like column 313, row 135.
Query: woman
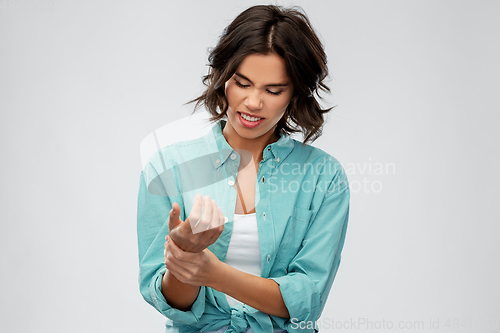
column 271, row 267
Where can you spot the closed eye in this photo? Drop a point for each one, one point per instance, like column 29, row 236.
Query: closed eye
column 238, row 83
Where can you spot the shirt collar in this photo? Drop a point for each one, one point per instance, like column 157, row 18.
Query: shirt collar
column 216, row 142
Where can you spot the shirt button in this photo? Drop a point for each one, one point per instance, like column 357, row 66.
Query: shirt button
column 278, row 160
column 225, row 219
column 218, row 161
column 233, row 156
column 263, row 180
column 231, row 183
column 268, row 149
column 264, row 215
column 268, row 258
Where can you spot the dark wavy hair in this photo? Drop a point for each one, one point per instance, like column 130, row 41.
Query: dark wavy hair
column 266, row 29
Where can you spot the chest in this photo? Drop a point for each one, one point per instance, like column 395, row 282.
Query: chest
column 245, row 187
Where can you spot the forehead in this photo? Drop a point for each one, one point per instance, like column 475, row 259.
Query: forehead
column 264, row 69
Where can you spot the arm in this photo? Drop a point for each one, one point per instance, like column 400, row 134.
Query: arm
column 179, row 295
column 311, row 272
column 152, row 227
column 260, row 293
column 205, row 269
column 182, row 295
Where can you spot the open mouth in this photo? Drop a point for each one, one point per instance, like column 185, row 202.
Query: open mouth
column 249, row 121
column 249, row 118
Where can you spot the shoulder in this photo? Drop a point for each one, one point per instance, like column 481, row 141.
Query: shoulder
column 317, row 156
column 168, row 157
column 178, row 152
column 321, row 163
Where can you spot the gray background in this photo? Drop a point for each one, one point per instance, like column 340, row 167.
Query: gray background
column 416, row 88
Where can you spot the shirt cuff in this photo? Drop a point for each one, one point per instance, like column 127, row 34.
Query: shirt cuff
column 176, row 315
column 301, row 308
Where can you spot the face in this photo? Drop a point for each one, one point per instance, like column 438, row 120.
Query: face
column 258, row 95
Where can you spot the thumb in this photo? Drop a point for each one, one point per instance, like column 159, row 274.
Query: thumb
column 173, row 216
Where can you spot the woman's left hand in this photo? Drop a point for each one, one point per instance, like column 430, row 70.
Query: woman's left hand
column 197, row 269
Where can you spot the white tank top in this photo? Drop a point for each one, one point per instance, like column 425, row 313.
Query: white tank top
column 243, row 253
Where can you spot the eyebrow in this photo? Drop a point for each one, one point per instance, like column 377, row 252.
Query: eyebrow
column 267, row 85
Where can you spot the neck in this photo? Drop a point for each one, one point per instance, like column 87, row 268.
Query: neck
column 253, row 146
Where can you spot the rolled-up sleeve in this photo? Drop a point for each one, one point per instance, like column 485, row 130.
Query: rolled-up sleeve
column 311, row 272
column 152, row 228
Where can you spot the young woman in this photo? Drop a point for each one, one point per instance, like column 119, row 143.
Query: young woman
column 241, row 230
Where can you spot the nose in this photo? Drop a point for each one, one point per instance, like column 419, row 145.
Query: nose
column 254, row 100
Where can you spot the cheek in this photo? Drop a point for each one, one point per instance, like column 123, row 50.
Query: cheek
column 232, row 94
column 280, row 106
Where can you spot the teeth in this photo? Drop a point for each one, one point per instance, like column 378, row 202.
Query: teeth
column 249, row 118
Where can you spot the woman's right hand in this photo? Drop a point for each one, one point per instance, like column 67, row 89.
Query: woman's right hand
column 199, row 230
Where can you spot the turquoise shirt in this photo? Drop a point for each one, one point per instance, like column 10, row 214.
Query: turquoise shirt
column 302, row 208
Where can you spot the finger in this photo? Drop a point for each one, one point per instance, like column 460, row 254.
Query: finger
column 167, row 250
column 206, row 235
column 206, row 217
column 215, row 216
column 179, row 262
column 221, row 221
column 195, row 214
column 177, row 270
column 204, row 220
column 173, row 248
column 173, row 216
column 216, row 229
column 216, row 234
